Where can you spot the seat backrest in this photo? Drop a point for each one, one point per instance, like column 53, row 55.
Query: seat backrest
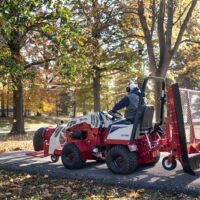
column 147, row 118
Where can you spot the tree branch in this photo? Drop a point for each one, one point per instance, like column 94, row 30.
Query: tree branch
column 192, row 41
column 170, row 13
column 147, row 35
column 181, row 14
column 183, row 27
column 38, row 63
column 161, row 35
column 153, row 17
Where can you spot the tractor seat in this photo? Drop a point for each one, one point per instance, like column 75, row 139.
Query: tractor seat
column 146, row 119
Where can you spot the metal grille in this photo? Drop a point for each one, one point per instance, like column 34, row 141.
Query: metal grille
column 190, row 100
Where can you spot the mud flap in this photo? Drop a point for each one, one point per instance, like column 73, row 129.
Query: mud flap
column 192, row 161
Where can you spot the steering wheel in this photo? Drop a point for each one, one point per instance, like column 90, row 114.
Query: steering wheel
column 158, row 129
column 116, row 115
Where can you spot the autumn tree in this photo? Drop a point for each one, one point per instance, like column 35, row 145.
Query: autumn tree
column 187, row 60
column 25, row 26
column 106, row 46
column 4, row 74
column 161, row 25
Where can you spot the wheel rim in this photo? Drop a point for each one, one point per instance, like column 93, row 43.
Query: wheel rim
column 53, row 158
column 167, row 164
column 118, row 161
column 69, row 156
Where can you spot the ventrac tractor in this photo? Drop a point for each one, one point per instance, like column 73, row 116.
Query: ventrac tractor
column 125, row 144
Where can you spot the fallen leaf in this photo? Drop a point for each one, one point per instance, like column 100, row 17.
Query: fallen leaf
column 46, row 193
column 69, row 190
column 11, row 180
column 74, row 195
column 17, row 149
column 28, row 176
column 46, row 176
column 2, row 195
column 43, row 185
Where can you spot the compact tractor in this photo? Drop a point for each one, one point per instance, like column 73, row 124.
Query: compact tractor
column 124, row 145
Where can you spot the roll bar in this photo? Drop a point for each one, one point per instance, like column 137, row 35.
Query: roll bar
column 141, row 106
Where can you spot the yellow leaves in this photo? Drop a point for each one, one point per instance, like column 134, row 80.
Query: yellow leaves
column 15, row 145
column 133, row 194
column 47, row 107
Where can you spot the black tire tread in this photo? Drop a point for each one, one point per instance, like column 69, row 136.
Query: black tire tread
column 130, row 157
column 38, row 139
column 77, row 162
column 173, row 166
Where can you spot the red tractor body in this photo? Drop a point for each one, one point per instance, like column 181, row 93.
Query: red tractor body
column 123, row 144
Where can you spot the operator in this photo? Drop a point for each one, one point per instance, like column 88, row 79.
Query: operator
column 130, row 101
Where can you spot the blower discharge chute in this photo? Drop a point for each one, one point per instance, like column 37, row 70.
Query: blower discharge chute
column 124, row 145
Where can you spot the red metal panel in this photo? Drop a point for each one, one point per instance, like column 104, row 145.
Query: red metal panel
column 85, row 147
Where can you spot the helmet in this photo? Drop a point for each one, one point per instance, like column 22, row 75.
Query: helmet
column 132, row 87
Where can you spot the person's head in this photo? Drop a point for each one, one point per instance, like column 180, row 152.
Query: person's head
column 133, row 88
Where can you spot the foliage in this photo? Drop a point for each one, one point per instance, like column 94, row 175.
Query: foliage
column 36, row 34
column 107, row 44
column 66, row 103
column 186, row 68
column 41, row 31
column 162, row 26
column 63, row 45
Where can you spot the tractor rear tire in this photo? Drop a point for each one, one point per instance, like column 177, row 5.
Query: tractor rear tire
column 71, row 157
column 38, row 139
column 121, row 161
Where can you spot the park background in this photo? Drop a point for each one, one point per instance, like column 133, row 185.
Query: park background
column 60, row 59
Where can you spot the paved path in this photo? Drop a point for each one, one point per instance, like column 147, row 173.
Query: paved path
column 145, row 177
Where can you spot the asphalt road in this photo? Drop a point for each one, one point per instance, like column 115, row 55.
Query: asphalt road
column 155, row 178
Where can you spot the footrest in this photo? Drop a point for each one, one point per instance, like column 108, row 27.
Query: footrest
column 38, row 154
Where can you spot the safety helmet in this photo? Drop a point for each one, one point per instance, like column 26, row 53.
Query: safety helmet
column 132, row 87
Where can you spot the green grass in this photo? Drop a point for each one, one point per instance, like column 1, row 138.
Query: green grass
column 31, row 123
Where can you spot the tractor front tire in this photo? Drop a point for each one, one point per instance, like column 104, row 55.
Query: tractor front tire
column 38, row 139
column 121, row 161
column 71, row 157
column 169, row 166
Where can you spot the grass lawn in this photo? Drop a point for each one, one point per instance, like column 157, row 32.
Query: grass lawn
column 31, row 123
column 23, row 142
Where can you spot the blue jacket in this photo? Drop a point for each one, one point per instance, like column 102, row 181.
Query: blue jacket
column 124, row 102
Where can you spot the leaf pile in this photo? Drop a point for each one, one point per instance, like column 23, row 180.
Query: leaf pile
column 16, row 143
column 16, row 186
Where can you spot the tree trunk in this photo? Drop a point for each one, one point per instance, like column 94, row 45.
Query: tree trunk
column 96, row 90
column 7, row 101
column 158, row 89
column 18, row 118
column 74, row 109
column 3, row 114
